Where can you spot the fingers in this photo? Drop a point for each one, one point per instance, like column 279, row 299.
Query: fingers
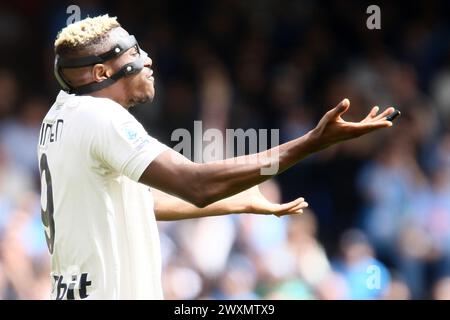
column 300, row 206
column 372, row 114
column 343, row 106
column 340, row 109
column 287, row 206
column 372, row 120
column 366, row 127
column 293, row 207
column 384, row 114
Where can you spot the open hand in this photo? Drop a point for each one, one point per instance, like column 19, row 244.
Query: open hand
column 257, row 203
column 333, row 129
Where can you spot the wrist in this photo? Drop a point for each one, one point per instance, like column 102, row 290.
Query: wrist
column 314, row 141
column 229, row 205
column 239, row 203
column 243, row 207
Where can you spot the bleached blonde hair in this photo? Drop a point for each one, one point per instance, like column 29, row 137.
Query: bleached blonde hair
column 85, row 32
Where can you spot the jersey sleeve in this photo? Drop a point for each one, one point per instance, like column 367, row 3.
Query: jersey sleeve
column 123, row 144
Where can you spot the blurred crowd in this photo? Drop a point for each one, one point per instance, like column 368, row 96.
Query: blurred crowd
column 378, row 226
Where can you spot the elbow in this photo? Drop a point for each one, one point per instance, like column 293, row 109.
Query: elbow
column 201, row 199
column 200, row 203
column 202, row 196
column 197, row 189
column 202, row 191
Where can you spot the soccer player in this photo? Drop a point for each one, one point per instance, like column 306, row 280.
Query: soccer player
column 98, row 163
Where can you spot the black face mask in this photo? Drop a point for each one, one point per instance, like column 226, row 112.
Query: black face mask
column 122, row 46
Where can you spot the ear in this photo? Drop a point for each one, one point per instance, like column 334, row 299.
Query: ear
column 101, row 72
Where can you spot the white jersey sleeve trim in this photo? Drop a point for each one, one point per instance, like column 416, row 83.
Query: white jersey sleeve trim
column 138, row 162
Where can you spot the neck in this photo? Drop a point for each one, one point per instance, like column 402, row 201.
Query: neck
column 110, row 94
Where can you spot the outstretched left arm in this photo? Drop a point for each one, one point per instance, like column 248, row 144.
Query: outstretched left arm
column 168, row 207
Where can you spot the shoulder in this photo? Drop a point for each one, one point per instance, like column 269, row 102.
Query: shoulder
column 103, row 121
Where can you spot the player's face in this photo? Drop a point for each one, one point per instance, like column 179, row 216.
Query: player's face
column 137, row 88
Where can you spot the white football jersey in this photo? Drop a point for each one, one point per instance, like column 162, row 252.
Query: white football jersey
column 99, row 221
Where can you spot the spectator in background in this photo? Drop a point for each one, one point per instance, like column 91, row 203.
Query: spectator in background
column 365, row 276
column 389, row 183
column 441, row 289
column 21, row 132
column 9, row 93
column 239, row 280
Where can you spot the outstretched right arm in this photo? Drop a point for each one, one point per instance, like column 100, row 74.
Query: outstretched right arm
column 203, row 184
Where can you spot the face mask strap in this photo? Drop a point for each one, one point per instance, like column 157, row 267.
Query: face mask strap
column 127, row 70
column 122, row 46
